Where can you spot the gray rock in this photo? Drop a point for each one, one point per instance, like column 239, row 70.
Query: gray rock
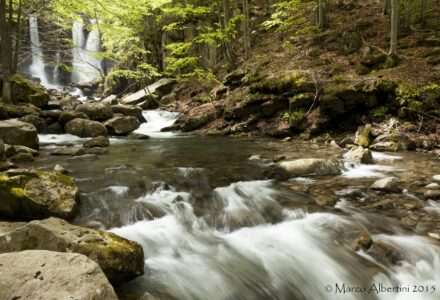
column 67, row 116
column 65, row 151
column 39, row 274
column 397, row 141
column 349, row 193
column 129, row 110
column 307, row 166
column 436, row 178
column 15, row 132
column 24, row 149
column 99, row 141
column 152, row 92
column 120, row 259
column 360, row 155
column 85, row 128
column 390, row 184
column 97, row 111
column 122, row 125
column 33, row 194
column 112, row 100
column 432, row 194
column 38, row 122
column 433, row 186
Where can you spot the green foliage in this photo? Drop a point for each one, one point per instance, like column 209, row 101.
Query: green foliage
column 294, row 118
column 379, row 112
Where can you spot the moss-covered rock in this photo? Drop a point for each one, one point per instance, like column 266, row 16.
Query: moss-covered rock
column 364, row 136
column 85, row 128
column 292, row 82
column 15, row 132
column 32, row 194
column 120, row 259
column 26, row 91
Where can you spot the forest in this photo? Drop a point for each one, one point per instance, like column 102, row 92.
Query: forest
column 219, row 149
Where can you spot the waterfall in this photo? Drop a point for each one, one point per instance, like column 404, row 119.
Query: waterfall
column 37, row 69
column 86, row 67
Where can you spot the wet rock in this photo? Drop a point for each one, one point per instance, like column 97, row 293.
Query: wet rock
column 346, row 141
column 26, row 91
column 363, row 136
column 60, row 169
column 390, row 184
column 15, row 132
column 362, row 241
column 384, row 147
column 383, row 253
column 17, row 111
column 97, row 111
column 99, row 141
column 197, row 117
column 122, row 125
column 432, row 194
column 305, row 167
column 436, row 178
column 112, row 100
column 69, row 103
column 349, row 193
column 120, row 259
column 85, row 128
column 23, row 157
column 39, row 274
column 360, row 155
column 65, row 151
column 396, row 141
column 67, row 116
column 55, row 128
column 35, row 120
column 24, row 149
column 137, row 136
column 128, row 110
column 32, row 194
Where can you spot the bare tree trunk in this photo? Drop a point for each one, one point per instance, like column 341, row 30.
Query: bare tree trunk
column 394, row 27
column 17, row 39
column 321, row 14
column 246, row 30
column 227, row 44
column 6, row 58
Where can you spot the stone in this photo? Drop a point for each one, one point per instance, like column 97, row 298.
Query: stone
column 137, row 136
column 15, row 132
column 111, row 99
column 99, row 141
column 55, row 128
column 65, row 151
column 390, row 184
column 24, row 149
column 60, row 169
column 122, row 125
column 399, row 141
column 307, row 166
column 351, row 41
column 33, row 194
column 363, row 136
column 69, row 103
column 18, row 111
column 120, row 259
column 129, row 110
column 97, row 111
column 436, row 178
column 359, row 155
column 384, row 147
column 67, row 116
column 432, row 194
column 26, row 91
column 153, row 92
column 433, row 186
column 85, row 128
column 349, row 193
column 35, row 120
column 346, row 141
column 23, row 157
column 40, row 274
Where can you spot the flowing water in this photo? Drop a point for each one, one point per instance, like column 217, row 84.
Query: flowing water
column 213, row 227
column 37, row 68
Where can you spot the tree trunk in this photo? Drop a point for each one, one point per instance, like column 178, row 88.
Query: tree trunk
column 227, row 44
column 246, row 30
column 386, row 7
column 394, row 27
column 422, row 12
column 17, row 39
column 6, row 58
column 321, row 14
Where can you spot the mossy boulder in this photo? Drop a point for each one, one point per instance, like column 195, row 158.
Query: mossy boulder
column 96, row 111
column 395, row 141
column 306, row 167
column 8, row 111
column 122, row 125
column 301, row 101
column 32, row 194
column 364, row 136
column 26, row 91
column 120, row 259
column 293, row 82
column 15, row 132
column 85, row 128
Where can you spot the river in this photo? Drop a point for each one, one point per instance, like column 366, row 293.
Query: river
column 214, row 227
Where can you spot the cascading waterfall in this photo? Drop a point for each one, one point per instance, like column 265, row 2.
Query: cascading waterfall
column 86, row 66
column 37, row 69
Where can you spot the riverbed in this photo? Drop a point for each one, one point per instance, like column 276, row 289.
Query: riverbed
column 213, row 225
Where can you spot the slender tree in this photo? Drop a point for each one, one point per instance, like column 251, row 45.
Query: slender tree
column 246, row 30
column 5, row 18
column 394, row 27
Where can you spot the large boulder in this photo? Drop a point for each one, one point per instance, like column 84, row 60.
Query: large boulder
column 15, row 132
column 69, row 115
column 151, row 93
column 85, row 128
column 307, row 166
column 39, row 274
column 122, row 125
column 129, row 110
column 359, row 155
column 97, row 111
column 9, row 111
column 393, row 142
column 33, row 194
column 35, row 120
column 99, row 141
column 25, row 91
column 364, row 136
column 120, row 259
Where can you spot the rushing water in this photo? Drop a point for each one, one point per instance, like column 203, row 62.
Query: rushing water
column 213, row 227
column 37, row 67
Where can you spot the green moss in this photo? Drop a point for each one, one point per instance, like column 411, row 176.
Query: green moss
column 379, row 112
column 18, row 192
column 282, row 84
column 338, row 79
column 295, row 118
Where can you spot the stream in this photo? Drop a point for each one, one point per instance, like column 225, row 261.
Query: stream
column 213, row 227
